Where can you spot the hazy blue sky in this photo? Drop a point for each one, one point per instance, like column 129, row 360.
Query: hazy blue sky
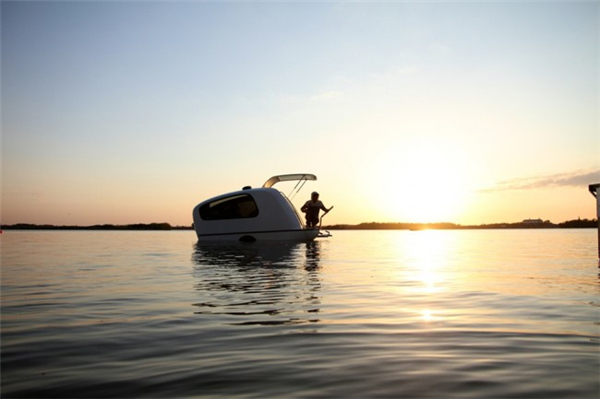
column 123, row 112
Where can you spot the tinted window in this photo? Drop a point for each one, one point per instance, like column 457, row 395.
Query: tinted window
column 236, row 207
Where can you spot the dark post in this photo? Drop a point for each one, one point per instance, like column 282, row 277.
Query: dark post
column 595, row 190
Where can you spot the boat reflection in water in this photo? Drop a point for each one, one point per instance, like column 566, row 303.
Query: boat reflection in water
column 258, row 283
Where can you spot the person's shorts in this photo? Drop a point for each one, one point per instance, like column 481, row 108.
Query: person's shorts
column 312, row 220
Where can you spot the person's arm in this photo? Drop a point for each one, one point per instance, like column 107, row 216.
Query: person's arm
column 304, row 207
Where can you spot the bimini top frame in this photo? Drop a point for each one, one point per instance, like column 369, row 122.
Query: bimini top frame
column 300, row 177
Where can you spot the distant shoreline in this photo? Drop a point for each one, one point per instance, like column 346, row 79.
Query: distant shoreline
column 570, row 224
column 111, row 227
column 578, row 223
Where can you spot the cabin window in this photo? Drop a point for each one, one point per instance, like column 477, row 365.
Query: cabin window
column 236, row 207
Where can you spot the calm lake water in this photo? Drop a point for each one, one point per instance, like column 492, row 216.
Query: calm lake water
column 399, row 314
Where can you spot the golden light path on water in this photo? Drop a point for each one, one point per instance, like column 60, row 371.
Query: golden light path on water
column 423, row 273
column 428, row 251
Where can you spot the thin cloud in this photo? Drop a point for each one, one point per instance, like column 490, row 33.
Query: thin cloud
column 579, row 178
column 327, row 96
column 440, row 48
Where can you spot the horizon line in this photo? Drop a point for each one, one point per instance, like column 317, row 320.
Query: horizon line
column 407, row 225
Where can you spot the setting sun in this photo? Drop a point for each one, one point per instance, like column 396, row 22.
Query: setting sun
column 420, row 183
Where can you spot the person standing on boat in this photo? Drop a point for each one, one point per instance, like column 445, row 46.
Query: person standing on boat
column 312, row 208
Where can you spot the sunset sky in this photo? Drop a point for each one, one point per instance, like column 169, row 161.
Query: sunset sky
column 133, row 112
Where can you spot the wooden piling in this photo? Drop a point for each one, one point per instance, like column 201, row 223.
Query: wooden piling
column 595, row 190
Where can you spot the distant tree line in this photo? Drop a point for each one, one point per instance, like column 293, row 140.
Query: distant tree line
column 137, row 226
column 394, row 226
column 579, row 223
column 570, row 224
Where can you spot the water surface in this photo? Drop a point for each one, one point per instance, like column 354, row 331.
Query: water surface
column 427, row 314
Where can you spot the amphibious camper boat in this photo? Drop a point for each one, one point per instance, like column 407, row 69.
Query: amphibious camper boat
column 254, row 214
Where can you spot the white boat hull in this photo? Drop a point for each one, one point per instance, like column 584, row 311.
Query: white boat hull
column 303, row 235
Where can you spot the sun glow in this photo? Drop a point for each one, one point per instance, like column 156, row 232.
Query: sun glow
column 421, row 183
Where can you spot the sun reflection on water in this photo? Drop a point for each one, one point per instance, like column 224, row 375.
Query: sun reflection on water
column 423, row 272
column 428, row 254
column 427, row 315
